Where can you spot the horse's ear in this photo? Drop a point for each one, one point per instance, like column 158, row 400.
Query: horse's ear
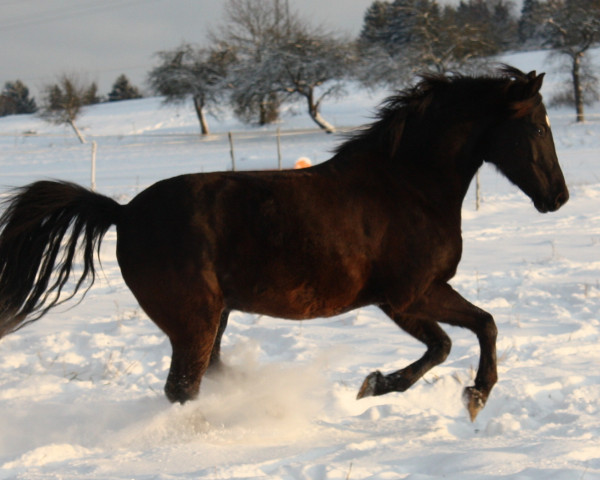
column 535, row 83
column 524, row 95
column 526, row 88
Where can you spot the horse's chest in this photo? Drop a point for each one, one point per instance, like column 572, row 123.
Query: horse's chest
column 426, row 247
column 416, row 261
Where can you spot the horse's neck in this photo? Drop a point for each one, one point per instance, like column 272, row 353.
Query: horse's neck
column 442, row 163
column 437, row 158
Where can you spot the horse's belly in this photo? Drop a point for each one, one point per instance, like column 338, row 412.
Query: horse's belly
column 302, row 300
column 293, row 308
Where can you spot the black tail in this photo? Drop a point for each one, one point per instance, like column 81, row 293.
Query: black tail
column 35, row 262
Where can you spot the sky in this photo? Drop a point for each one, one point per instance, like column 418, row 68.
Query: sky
column 98, row 41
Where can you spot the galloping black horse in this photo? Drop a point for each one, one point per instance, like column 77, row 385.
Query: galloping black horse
column 379, row 223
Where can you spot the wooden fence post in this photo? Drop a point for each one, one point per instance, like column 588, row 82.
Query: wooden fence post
column 231, row 151
column 279, row 148
column 477, row 191
column 93, row 175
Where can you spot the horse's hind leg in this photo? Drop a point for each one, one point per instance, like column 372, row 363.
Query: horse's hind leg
column 193, row 343
column 215, row 364
column 438, row 348
column 192, row 324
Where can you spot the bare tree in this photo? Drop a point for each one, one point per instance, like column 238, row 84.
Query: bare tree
column 250, row 29
column 192, row 72
column 572, row 28
column 280, row 57
column 313, row 65
column 62, row 102
column 308, row 64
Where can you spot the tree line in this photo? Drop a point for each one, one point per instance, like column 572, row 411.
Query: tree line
column 265, row 56
column 15, row 99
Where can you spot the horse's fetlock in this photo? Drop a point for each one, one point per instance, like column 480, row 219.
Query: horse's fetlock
column 445, row 346
column 371, row 385
column 474, row 400
column 180, row 389
column 178, row 393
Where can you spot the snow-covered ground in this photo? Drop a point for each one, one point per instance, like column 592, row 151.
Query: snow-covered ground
column 81, row 390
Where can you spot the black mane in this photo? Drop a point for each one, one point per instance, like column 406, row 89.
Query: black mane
column 465, row 91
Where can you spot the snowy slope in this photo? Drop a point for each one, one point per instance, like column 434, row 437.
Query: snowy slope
column 81, row 390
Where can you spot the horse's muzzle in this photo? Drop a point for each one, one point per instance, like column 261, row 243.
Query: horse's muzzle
column 554, row 203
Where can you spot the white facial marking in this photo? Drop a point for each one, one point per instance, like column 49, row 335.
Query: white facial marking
column 547, row 120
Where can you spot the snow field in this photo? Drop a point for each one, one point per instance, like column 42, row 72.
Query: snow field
column 81, row 390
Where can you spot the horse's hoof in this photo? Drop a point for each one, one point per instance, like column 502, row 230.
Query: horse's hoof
column 369, row 386
column 474, row 401
column 180, row 392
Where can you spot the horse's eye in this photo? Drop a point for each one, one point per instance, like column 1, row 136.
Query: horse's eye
column 540, row 130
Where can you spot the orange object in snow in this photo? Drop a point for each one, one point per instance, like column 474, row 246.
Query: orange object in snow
column 303, row 162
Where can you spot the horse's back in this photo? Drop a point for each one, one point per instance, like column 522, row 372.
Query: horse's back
column 294, row 244
column 268, row 242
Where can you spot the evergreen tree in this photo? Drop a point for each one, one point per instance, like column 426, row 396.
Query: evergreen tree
column 404, row 37
column 490, row 22
column 530, row 24
column 14, row 99
column 404, row 18
column 504, row 26
column 123, row 90
column 375, row 28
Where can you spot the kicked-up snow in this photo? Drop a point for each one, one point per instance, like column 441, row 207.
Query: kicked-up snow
column 81, row 391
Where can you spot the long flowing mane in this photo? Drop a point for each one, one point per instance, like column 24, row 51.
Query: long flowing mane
column 449, row 91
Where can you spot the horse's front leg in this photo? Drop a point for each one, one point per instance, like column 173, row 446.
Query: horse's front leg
column 438, row 348
column 442, row 304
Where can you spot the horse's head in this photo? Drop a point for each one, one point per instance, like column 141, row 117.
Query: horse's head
column 521, row 146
